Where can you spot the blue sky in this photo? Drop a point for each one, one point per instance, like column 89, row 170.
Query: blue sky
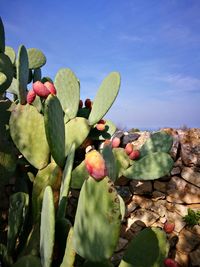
column 155, row 45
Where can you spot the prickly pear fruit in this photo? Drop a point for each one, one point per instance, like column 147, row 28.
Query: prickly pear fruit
column 129, row 148
column 80, row 103
column 88, row 103
column 116, row 142
column 107, row 142
column 95, row 165
column 169, row 227
column 170, row 263
column 30, row 96
column 135, row 154
column 40, row 89
column 100, row 126
column 102, row 121
column 50, row 87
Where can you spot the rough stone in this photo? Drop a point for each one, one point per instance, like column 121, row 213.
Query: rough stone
column 124, row 192
column 195, row 257
column 143, row 202
column 183, row 209
column 182, row 259
column 146, row 216
column 160, row 186
column 191, row 175
column 177, row 219
column 179, row 191
column 129, row 138
column 121, row 244
column 141, row 188
column 175, row 171
column 157, row 195
column 141, row 140
column 130, row 208
column 187, row 241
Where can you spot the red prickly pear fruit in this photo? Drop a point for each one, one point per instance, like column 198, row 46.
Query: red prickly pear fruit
column 95, row 165
column 30, row 96
column 170, row 263
column 50, row 87
column 116, row 142
column 88, row 103
column 80, row 103
column 169, row 227
column 100, row 126
column 135, row 154
column 102, row 121
column 129, row 148
column 40, row 89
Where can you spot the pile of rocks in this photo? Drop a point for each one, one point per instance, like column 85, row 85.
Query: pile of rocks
column 152, row 203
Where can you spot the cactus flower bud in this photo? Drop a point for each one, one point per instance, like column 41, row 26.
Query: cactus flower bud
column 50, row 87
column 30, row 96
column 95, row 165
column 40, row 89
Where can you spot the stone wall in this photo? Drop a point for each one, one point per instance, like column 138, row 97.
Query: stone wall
column 152, row 203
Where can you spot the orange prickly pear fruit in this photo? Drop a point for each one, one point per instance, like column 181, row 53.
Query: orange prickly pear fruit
column 80, row 103
column 116, row 142
column 135, row 154
column 100, row 126
column 88, row 103
column 50, row 87
column 40, row 89
column 30, row 96
column 169, row 227
column 129, row 148
column 95, row 165
column 170, row 263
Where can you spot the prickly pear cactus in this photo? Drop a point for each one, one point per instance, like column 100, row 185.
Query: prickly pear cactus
column 68, row 91
column 110, row 162
column 148, row 248
column 105, row 97
column 36, row 58
column 2, row 37
column 110, row 129
column 7, row 72
column 96, row 239
column 69, row 256
column 122, row 160
column 79, row 175
column 10, row 52
column 28, row 261
column 150, row 167
column 55, row 129
column 28, row 133
column 47, row 228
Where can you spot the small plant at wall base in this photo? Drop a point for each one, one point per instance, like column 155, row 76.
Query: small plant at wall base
column 44, row 133
column 192, row 218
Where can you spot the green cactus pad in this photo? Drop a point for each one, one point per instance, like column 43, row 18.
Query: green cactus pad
column 110, row 162
column 38, row 104
column 36, row 58
column 6, row 259
column 69, row 256
column 22, row 73
column 2, row 37
column 28, row 133
column 46, row 79
column 13, row 88
column 105, row 263
column 148, row 248
column 28, row 261
column 105, row 97
column 6, row 68
column 122, row 160
column 55, row 129
column 47, row 228
column 41, row 180
column 76, row 131
column 150, row 167
column 79, row 175
column 158, row 142
column 65, row 184
column 83, row 112
column 3, row 78
column 17, row 215
column 110, row 129
column 122, row 207
column 10, row 52
column 68, row 91
column 96, row 239
column 37, row 75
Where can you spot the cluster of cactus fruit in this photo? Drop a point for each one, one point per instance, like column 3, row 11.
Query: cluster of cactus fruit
column 44, row 132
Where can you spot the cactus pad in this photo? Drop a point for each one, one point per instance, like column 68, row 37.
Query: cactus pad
column 10, row 52
column 79, row 175
column 28, row 261
column 37, row 75
column 159, row 141
column 36, row 58
column 2, row 37
column 105, row 97
column 69, row 256
column 150, row 167
column 6, row 68
column 68, row 91
column 22, row 73
column 122, row 160
column 76, row 131
column 110, row 162
column 148, row 248
column 110, row 129
column 47, row 228
column 55, row 129
column 96, row 239
column 28, row 133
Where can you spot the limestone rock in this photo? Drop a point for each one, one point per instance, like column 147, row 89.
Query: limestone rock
column 124, row 192
column 129, row 138
column 191, row 175
column 179, row 191
column 160, row 186
column 195, row 257
column 141, row 188
column 141, row 140
column 187, row 241
column 145, row 216
column 121, row 244
column 177, row 219
column 175, row 171
column 182, row 259
column 143, row 202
